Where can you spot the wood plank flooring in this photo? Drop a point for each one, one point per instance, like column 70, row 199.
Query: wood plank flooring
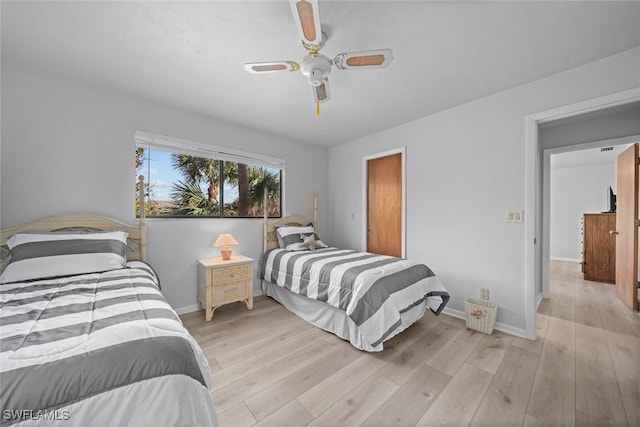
column 270, row 368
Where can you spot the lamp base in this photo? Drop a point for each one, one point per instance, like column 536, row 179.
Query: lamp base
column 225, row 253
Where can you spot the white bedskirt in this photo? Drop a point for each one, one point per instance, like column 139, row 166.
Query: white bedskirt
column 334, row 320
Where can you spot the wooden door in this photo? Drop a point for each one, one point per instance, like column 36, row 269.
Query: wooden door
column 599, row 264
column 626, row 228
column 384, row 205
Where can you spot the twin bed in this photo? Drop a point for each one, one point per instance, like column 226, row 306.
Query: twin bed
column 361, row 297
column 86, row 337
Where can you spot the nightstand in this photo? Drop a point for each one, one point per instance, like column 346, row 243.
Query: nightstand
column 221, row 282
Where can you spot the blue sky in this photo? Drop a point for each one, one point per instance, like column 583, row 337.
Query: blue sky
column 162, row 176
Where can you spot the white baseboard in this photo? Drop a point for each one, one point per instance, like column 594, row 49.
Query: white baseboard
column 188, row 309
column 559, row 258
column 502, row 327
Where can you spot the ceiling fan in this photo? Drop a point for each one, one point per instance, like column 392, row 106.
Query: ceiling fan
column 315, row 66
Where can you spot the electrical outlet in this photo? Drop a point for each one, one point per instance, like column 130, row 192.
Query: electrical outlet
column 484, row 293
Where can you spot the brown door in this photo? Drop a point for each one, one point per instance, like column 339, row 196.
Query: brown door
column 384, row 205
column 627, row 231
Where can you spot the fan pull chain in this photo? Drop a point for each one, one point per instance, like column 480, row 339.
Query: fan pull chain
column 318, row 108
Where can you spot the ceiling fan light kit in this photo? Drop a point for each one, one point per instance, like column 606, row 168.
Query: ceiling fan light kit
column 315, row 66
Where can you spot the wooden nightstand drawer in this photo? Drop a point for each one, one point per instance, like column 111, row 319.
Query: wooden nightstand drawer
column 229, row 291
column 232, row 273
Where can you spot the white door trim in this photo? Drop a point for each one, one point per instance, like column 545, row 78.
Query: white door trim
column 533, row 192
column 402, row 150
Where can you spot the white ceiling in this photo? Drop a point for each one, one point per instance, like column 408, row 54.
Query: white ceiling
column 190, row 54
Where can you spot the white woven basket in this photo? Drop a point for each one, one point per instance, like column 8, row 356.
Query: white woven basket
column 481, row 315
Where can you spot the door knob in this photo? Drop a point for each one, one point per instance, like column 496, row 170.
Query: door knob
column 614, row 232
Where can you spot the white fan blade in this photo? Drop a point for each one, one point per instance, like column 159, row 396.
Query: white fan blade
column 306, row 15
column 270, row 67
column 380, row 58
column 321, row 93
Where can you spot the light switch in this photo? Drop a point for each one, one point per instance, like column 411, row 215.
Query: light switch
column 513, row 216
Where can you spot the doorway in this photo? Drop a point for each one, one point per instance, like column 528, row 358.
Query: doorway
column 384, row 203
column 582, row 216
column 618, row 146
column 536, row 239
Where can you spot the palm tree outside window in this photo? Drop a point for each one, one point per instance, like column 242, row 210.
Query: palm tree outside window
column 185, row 186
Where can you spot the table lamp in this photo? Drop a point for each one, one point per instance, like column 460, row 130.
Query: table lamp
column 225, row 240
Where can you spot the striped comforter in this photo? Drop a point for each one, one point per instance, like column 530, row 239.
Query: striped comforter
column 89, row 337
column 373, row 290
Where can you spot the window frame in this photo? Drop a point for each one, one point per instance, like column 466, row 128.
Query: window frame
column 171, row 145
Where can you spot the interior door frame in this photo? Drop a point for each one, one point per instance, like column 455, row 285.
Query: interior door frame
column 365, row 173
column 536, row 266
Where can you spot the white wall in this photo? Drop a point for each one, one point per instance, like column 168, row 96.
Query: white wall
column 610, row 123
column 67, row 147
column 465, row 167
column 574, row 192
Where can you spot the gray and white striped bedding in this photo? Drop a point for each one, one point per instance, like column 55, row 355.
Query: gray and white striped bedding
column 79, row 337
column 373, row 290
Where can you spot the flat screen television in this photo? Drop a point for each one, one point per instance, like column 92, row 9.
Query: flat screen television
column 612, row 200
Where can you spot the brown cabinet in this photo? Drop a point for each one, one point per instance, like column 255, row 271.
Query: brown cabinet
column 599, row 247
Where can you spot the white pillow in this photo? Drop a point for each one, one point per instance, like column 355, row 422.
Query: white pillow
column 292, row 240
column 281, row 244
column 42, row 255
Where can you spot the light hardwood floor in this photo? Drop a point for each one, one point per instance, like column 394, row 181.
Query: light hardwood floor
column 270, row 368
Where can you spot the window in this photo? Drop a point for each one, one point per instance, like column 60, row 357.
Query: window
column 185, row 180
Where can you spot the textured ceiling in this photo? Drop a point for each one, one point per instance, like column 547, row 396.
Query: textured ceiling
column 191, row 54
